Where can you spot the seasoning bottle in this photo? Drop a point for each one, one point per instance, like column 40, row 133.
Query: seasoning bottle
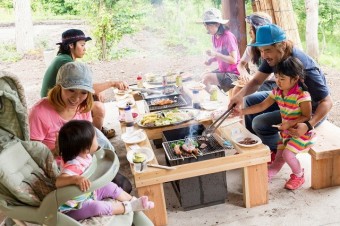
column 196, row 99
column 139, row 81
column 213, row 93
column 165, row 80
column 128, row 119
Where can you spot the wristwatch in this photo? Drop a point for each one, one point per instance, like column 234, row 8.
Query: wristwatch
column 310, row 127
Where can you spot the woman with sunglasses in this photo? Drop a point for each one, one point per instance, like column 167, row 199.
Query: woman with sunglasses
column 252, row 54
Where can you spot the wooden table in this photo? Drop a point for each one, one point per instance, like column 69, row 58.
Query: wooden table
column 252, row 160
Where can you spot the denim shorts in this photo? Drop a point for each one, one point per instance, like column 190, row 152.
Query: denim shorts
column 226, row 79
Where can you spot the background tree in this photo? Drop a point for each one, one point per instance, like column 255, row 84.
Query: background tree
column 23, row 26
column 312, row 15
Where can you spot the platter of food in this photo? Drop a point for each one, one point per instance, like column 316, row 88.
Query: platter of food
column 157, row 79
column 165, row 118
column 245, row 139
column 196, row 86
column 162, row 103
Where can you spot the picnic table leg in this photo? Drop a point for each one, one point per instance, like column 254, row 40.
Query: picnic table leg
column 325, row 172
column 157, row 215
column 255, row 185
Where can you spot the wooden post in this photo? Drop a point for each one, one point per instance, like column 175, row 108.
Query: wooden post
column 235, row 12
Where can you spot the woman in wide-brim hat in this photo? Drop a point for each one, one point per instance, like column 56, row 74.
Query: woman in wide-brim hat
column 225, row 51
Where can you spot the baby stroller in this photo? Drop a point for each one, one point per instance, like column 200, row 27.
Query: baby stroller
column 28, row 170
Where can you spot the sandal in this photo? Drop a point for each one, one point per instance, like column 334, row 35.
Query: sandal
column 109, row 133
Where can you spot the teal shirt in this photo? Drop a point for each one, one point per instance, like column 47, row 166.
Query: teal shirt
column 52, row 71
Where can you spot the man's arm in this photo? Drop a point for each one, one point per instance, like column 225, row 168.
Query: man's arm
column 321, row 111
column 249, row 88
column 99, row 87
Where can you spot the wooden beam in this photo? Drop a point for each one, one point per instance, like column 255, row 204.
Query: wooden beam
column 235, row 12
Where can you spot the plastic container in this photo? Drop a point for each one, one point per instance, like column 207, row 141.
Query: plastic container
column 129, row 123
column 196, row 99
column 140, row 81
column 213, row 93
column 179, row 82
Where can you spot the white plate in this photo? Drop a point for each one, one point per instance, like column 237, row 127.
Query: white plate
column 122, row 103
column 211, row 105
column 237, row 136
column 135, row 139
column 122, row 92
column 196, row 86
column 147, row 151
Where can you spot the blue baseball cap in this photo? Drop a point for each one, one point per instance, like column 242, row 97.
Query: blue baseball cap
column 269, row 34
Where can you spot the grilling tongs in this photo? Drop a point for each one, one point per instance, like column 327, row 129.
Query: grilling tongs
column 211, row 129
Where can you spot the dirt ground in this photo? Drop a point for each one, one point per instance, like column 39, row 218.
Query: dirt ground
column 152, row 55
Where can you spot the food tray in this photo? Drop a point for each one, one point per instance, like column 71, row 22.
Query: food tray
column 179, row 102
column 175, row 92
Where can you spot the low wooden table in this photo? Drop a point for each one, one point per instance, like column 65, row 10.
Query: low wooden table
column 252, row 160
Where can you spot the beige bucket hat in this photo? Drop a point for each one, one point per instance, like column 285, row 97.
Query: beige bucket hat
column 213, row 15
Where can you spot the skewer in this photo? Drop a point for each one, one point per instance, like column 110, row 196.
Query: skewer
column 276, row 126
column 194, row 155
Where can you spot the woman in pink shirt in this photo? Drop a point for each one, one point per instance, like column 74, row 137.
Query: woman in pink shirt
column 70, row 99
column 225, row 52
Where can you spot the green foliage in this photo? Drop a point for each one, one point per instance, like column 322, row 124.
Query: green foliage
column 55, row 7
column 177, row 21
column 8, row 4
column 9, row 53
column 113, row 19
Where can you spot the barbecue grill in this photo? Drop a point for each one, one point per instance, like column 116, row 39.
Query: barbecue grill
column 200, row 191
column 212, row 148
column 179, row 101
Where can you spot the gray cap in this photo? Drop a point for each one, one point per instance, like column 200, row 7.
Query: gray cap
column 75, row 75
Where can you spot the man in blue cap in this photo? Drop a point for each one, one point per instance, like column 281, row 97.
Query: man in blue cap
column 274, row 47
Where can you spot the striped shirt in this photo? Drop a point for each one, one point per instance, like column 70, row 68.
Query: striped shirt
column 290, row 110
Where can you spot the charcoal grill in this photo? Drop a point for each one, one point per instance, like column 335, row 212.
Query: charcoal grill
column 200, row 191
column 179, row 101
column 212, row 148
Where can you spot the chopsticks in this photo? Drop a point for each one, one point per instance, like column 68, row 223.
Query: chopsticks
column 161, row 167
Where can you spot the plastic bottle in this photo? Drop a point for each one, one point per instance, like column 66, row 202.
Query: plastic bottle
column 139, row 81
column 179, row 82
column 213, row 93
column 196, row 99
column 129, row 124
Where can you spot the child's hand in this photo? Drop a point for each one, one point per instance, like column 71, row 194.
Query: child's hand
column 284, row 126
column 83, row 183
column 211, row 53
column 208, row 62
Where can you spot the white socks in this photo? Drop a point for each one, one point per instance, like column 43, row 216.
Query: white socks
column 138, row 204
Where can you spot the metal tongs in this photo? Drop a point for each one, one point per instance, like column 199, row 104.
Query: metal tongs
column 211, row 129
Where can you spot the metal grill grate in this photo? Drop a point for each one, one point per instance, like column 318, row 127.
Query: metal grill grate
column 212, row 147
column 179, row 102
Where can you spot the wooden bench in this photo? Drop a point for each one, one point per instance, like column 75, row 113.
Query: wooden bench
column 326, row 157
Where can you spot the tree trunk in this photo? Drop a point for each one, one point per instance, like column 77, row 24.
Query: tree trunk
column 312, row 42
column 23, row 26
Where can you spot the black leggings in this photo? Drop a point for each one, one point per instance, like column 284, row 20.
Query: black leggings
column 123, row 182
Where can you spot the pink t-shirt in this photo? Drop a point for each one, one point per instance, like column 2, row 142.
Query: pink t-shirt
column 45, row 122
column 225, row 44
